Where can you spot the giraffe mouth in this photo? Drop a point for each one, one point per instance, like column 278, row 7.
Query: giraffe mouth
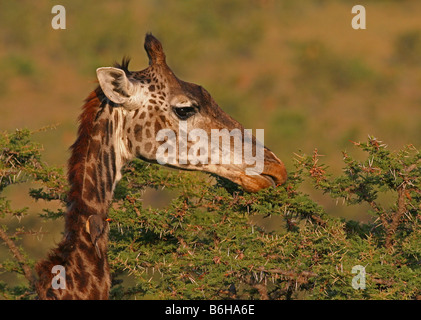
column 264, row 180
column 270, row 179
column 274, row 171
column 273, row 175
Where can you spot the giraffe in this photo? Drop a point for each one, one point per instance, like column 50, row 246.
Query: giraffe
column 119, row 122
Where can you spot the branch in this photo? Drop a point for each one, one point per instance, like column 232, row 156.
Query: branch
column 396, row 217
column 19, row 257
column 391, row 222
column 262, row 289
column 301, row 277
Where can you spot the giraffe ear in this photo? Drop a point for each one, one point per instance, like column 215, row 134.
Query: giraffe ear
column 115, row 84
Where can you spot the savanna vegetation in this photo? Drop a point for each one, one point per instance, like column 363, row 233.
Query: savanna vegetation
column 206, row 244
column 326, row 95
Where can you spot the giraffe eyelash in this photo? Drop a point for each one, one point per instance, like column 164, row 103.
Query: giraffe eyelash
column 183, row 113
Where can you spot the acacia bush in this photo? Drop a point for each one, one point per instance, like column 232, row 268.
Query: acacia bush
column 205, row 243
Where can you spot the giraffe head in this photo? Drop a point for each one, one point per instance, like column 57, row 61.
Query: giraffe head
column 178, row 124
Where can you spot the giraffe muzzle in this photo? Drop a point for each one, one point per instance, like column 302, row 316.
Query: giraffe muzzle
column 274, row 169
column 274, row 174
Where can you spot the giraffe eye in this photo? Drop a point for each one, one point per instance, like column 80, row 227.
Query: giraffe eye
column 183, row 113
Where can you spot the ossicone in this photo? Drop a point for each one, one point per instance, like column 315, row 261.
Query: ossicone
column 154, row 50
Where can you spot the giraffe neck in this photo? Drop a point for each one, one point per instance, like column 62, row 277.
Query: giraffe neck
column 94, row 170
column 98, row 155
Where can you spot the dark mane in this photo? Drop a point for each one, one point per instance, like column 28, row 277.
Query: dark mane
column 79, row 151
column 76, row 208
column 124, row 65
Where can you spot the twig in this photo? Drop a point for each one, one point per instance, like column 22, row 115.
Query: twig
column 396, row 217
column 19, row 257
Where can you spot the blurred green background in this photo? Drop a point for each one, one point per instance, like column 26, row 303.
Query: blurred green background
column 294, row 68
